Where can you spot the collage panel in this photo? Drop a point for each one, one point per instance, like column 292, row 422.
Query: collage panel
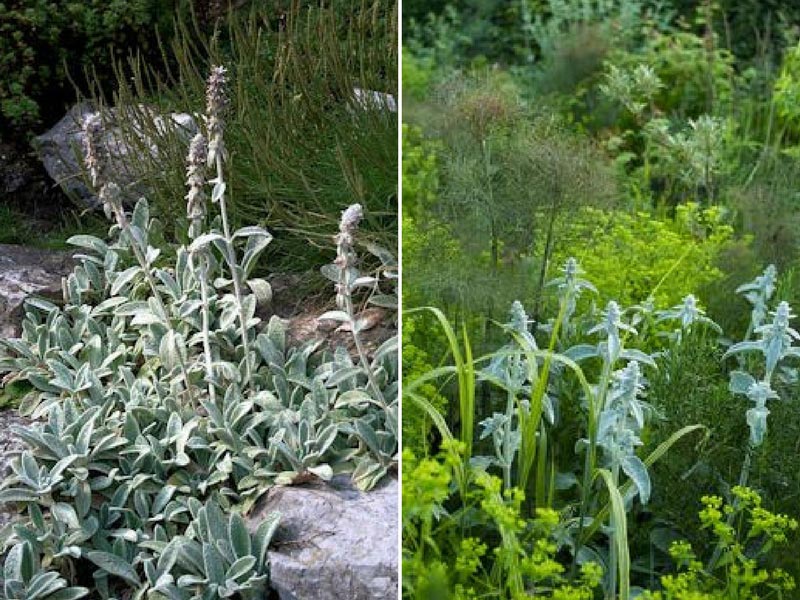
column 599, row 253
column 324, row 299
column 199, row 361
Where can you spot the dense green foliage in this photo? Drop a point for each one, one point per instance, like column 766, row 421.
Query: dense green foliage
column 561, row 450
column 43, row 44
column 656, row 143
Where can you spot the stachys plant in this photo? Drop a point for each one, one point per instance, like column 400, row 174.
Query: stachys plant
column 164, row 408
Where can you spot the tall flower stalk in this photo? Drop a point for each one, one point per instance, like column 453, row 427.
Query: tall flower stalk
column 196, row 212
column 348, row 279
column 216, row 103
column 111, row 197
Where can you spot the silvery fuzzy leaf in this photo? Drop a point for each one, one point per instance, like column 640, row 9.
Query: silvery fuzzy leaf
column 123, row 279
column 129, row 535
column 492, row 424
column 242, row 567
column 581, row 352
column 346, row 375
column 324, row 472
column 190, row 308
column 239, row 538
column 151, row 255
column 252, row 231
column 218, row 191
column 126, row 309
column 96, row 278
column 135, row 236
column 364, row 281
column 326, row 437
column 335, row 315
column 757, row 422
column 9, row 495
column 608, row 421
column 89, row 242
column 172, row 350
column 384, row 301
column 191, row 581
column 262, row 291
column 637, row 355
column 357, row 399
column 204, row 240
column 331, row 272
column 115, row 565
column 746, row 346
column 367, row 434
column 634, row 468
column 367, row 474
column 254, row 248
column 385, row 256
column 741, row 382
column 13, row 566
column 276, row 332
column 169, row 283
column 637, row 412
column 141, row 214
column 249, row 309
column 548, row 406
column 40, row 304
column 229, row 315
column 263, row 536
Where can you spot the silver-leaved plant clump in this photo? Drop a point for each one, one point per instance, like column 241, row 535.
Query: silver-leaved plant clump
column 164, row 409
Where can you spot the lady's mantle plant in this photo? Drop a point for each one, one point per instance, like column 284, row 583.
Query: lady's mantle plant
column 163, row 409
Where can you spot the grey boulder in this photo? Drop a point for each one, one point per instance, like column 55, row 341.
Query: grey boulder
column 61, row 148
column 25, row 272
column 334, row 542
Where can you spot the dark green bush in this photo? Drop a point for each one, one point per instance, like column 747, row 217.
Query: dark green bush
column 44, row 44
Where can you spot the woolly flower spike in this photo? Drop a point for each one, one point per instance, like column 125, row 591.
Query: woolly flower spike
column 92, row 127
column 611, row 325
column 519, row 323
column 519, row 318
column 216, row 102
column 351, row 217
column 195, row 180
column 345, row 256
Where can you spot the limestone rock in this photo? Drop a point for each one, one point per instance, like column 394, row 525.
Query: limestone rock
column 334, row 541
column 26, row 271
column 61, row 148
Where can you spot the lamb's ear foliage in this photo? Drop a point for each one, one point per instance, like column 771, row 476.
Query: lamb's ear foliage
column 585, row 358
column 164, row 409
column 774, row 343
